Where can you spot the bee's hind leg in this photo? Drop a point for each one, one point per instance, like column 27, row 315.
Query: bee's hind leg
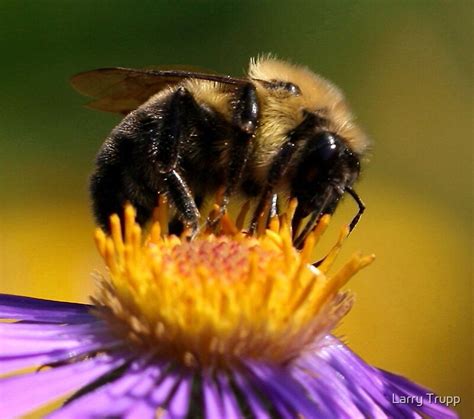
column 182, row 199
column 179, row 111
column 177, row 227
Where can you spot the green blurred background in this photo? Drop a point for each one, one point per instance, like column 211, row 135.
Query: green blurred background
column 405, row 67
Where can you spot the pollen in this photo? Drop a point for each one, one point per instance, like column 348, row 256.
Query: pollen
column 224, row 295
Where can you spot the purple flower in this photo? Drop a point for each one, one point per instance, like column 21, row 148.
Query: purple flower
column 225, row 326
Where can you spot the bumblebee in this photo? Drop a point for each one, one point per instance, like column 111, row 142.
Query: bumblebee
column 279, row 132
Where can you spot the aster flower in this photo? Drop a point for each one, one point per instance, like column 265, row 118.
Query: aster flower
column 224, row 326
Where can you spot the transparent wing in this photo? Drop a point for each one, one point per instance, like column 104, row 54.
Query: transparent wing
column 122, row 90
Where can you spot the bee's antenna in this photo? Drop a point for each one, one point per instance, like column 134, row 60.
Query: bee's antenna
column 361, row 205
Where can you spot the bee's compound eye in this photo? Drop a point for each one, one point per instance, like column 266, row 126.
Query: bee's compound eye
column 327, row 146
column 293, row 89
column 286, row 86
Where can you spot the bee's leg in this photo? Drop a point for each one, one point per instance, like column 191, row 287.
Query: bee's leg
column 273, row 210
column 178, row 114
column 176, row 226
column 274, row 207
column 245, row 121
column 182, row 199
column 280, row 165
column 277, row 171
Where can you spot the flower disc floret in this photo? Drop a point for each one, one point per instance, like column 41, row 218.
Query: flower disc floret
column 220, row 297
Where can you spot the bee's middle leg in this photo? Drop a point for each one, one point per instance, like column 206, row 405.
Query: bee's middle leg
column 245, row 121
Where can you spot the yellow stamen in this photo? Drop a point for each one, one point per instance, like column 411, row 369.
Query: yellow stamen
column 220, row 297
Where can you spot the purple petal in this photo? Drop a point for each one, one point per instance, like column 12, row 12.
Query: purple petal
column 34, row 309
column 12, row 348
column 112, row 398
column 141, row 409
column 272, row 399
column 404, row 387
column 325, row 394
column 359, row 385
column 137, row 394
column 229, row 403
column 213, row 404
column 178, row 406
column 284, row 391
column 26, row 393
column 163, row 390
column 282, row 410
column 14, row 363
column 367, row 384
column 58, row 331
column 28, row 345
column 20, row 347
column 256, row 406
column 360, row 376
column 137, row 372
column 337, row 380
column 146, row 384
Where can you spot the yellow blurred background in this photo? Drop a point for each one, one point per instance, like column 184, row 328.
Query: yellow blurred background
column 406, row 68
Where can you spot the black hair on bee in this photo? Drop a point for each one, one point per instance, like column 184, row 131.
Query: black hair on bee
column 280, row 132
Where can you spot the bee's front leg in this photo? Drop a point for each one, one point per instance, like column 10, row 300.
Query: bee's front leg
column 280, row 164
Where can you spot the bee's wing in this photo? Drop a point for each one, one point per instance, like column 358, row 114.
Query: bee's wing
column 122, row 90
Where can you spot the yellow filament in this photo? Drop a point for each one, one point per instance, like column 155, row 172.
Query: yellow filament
column 220, row 296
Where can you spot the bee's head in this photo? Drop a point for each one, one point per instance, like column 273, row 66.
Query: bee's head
column 325, row 169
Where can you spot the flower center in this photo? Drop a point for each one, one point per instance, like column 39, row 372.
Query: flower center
column 220, row 297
